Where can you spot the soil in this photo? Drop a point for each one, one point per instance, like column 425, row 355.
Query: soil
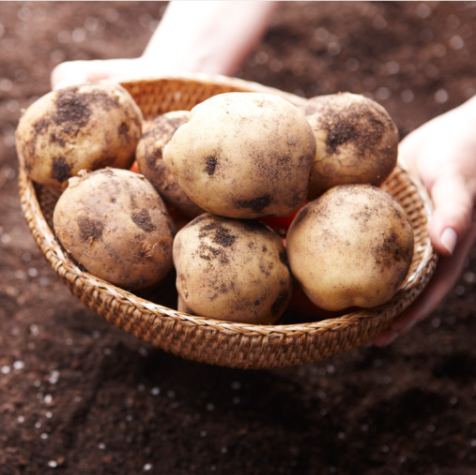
column 79, row 396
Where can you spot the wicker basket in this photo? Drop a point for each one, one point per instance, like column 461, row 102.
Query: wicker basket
column 214, row 341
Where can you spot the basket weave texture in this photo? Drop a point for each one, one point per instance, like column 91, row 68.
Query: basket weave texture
column 213, row 341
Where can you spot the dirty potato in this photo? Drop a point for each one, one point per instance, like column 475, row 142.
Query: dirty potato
column 149, row 156
column 243, row 155
column 83, row 127
column 114, row 223
column 352, row 246
column 356, row 141
column 231, row 269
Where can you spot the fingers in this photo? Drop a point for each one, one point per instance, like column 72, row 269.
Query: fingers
column 408, row 149
column 453, row 209
column 446, row 169
column 72, row 73
column 77, row 72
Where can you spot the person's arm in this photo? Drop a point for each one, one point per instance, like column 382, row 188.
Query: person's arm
column 443, row 153
column 211, row 37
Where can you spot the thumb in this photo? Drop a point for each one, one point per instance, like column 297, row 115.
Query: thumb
column 453, row 209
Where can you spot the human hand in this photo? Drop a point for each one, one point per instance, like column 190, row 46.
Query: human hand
column 204, row 37
column 72, row 73
column 443, row 153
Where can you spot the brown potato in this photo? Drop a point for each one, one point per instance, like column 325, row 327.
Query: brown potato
column 352, row 246
column 231, row 269
column 356, row 140
column 114, row 223
column 150, row 161
column 83, row 127
column 243, row 155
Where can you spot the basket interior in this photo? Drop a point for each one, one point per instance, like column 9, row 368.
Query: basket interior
column 151, row 315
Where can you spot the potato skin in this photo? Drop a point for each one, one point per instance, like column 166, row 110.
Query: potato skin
column 149, row 156
column 231, row 269
column 357, row 141
column 114, row 223
column 89, row 126
column 352, row 246
column 243, row 155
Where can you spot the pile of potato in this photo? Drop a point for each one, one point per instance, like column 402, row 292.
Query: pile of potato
column 209, row 178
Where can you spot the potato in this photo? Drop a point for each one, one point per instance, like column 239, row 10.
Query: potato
column 243, row 155
column 150, row 162
column 114, row 223
column 352, row 246
column 231, row 269
column 356, row 140
column 83, row 127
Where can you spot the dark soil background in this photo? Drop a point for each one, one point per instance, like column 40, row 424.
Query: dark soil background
column 79, row 396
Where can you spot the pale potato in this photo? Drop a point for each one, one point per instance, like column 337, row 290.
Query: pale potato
column 83, row 127
column 149, row 156
column 356, row 141
column 114, row 224
column 352, row 246
column 231, row 269
column 243, row 155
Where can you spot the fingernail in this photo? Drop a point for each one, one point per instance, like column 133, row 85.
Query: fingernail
column 448, row 239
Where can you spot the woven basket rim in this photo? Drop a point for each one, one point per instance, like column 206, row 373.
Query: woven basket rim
column 53, row 246
column 138, row 309
column 216, row 80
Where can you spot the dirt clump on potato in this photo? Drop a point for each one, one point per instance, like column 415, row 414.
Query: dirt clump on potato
column 243, row 155
column 114, row 224
column 352, row 246
column 84, row 127
column 356, row 139
column 149, row 156
column 231, row 269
